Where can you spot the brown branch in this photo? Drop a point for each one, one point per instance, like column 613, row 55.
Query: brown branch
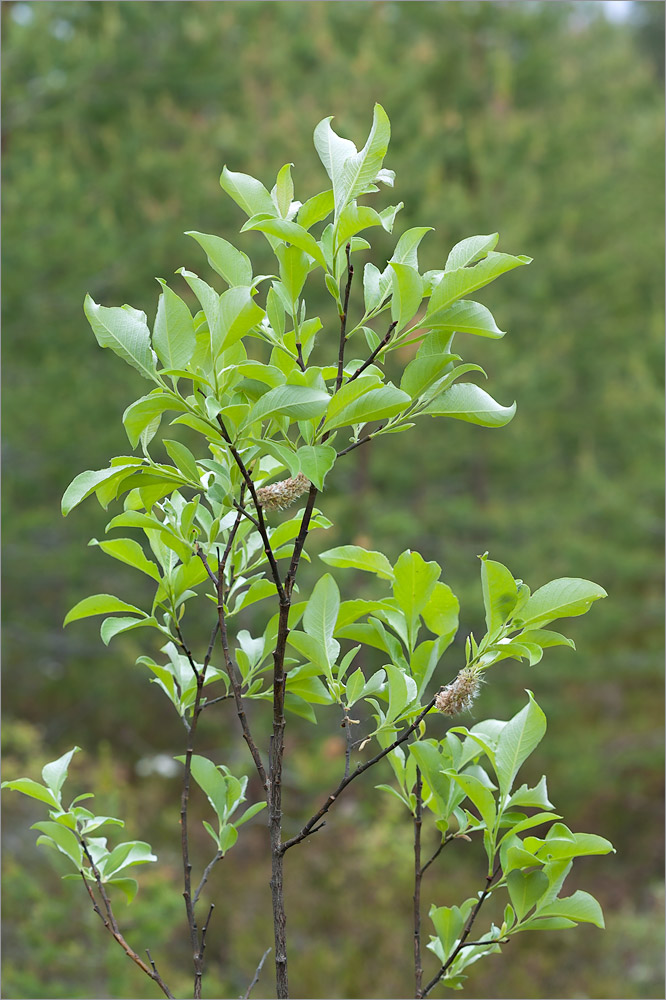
column 261, row 524
column 197, row 950
column 308, row 828
column 204, row 930
column 204, row 878
column 465, row 934
column 257, row 973
column 112, row 927
column 300, row 541
column 343, row 320
column 447, row 840
column 418, row 874
column 236, row 688
column 380, row 346
column 357, row 444
column 346, row 723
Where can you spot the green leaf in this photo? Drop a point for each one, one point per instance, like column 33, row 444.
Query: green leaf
column 249, row 193
column 393, row 791
column 576, row 845
column 231, row 264
column 315, row 209
column 479, row 795
column 87, row 482
column 423, row 372
column 259, row 590
column 238, row 314
column 356, row 557
column 297, row 401
column 133, row 852
column 401, row 689
column 354, row 687
column 467, row 316
column 448, row 921
column 128, row 551
column 384, row 401
column 470, row 250
column 519, row 737
column 361, row 169
column 425, row 658
column 173, row 333
column 581, row 907
column 211, row 781
column 322, row 609
column 440, row 614
column 406, row 250
column 289, row 232
column 294, row 269
column 144, row 411
column 126, row 332
column 54, row 774
column 32, row 789
column 407, row 293
column 459, row 282
column 545, row 638
column 333, row 151
column 563, row 598
column 283, row 192
column 128, row 886
column 250, row 812
column 353, row 219
column 537, row 796
column 64, row 839
column 500, row 593
column 467, row 401
column 413, row 586
column 114, row 626
column 183, row 459
column 525, row 890
column 228, row 838
column 316, row 461
column 432, row 764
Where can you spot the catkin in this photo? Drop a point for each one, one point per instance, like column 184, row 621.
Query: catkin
column 460, row 694
column 277, row 496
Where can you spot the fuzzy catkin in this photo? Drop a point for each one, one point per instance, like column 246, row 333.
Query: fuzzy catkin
column 277, row 496
column 460, row 694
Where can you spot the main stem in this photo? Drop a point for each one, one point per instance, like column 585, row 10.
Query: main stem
column 418, row 872
column 275, row 764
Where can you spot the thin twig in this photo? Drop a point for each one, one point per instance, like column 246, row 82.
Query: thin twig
column 204, row 929
column 204, row 878
column 380, row 346
column 465, row 934
column 214, row 701
column 447, row 840
column 346, row 722
column 245, row 512
column 100, row 886
column 255, row 980
column 261, row 524
column 129, row 951
column 308, row 828
column 363, row 440
column 231, row 670
column 343, row 319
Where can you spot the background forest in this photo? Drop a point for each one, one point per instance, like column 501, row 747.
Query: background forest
column 541, row 120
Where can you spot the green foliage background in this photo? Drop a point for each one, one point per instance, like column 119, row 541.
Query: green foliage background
column 540, row 120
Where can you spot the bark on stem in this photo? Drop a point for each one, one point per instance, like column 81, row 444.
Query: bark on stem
column 418, row 872
column 277, row 751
